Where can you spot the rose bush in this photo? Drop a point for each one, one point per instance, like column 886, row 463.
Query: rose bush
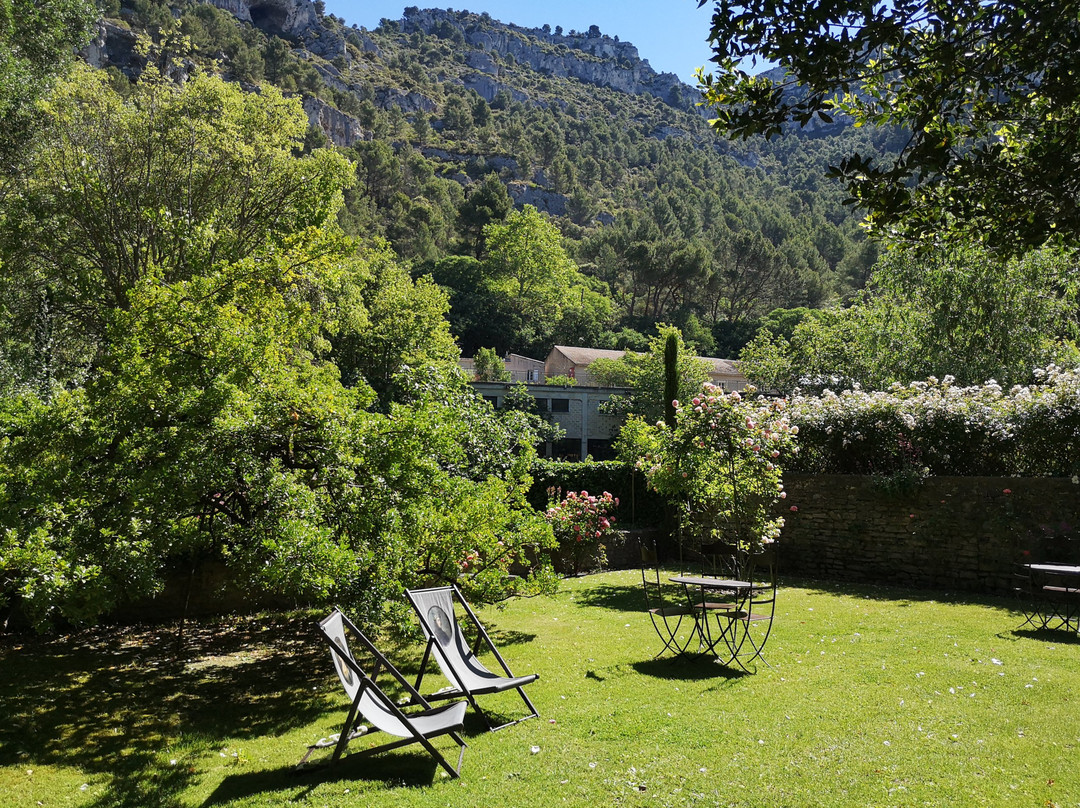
column 719, row 465
column 582, row 522
column 938, row 427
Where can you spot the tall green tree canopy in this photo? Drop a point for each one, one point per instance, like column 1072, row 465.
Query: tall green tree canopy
column 214, row 306
column 986, row 92
column 962, row 313
column 168, row 182
column 38, row 39
column 526, row 294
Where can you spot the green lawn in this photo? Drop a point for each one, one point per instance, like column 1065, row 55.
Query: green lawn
column 876, row 696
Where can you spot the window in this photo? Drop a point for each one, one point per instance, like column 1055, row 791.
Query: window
column 560, row 405
column 534, row 375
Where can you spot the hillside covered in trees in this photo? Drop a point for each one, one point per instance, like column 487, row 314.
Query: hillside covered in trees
column 454, row 120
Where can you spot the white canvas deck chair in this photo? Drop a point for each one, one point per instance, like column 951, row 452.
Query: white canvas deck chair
column 371, row 704
column 447, row 643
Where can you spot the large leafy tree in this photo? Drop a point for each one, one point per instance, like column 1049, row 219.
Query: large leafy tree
column 169, row 182
column 38, row 39
column 962, row 313
column 526, row 294
column 526, row 255
column 986, row 93
column 212, row 430
column 216, row 298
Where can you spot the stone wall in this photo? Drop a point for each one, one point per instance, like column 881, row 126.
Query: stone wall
column 947, row 533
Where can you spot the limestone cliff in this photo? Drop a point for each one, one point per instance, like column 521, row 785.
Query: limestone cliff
column 294, row 20
column 592, row 58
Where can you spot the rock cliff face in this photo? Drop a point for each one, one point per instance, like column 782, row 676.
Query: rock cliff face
column 341, row 129
column 484, row 45
column 111, row 45
column 597, row 59
column 295, row 20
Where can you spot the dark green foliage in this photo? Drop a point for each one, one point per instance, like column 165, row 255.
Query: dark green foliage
column 486, row 202
column 671, row 378
column 985, row 95
column 37, row 42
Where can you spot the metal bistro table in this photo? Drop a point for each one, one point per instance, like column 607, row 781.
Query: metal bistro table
column 1054, row 591
column 743, row 612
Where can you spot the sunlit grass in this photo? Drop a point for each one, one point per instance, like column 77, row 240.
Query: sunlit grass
column 875, row 696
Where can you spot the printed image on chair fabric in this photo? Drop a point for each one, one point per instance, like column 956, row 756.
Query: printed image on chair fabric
column 441, row 627
column 344, row 672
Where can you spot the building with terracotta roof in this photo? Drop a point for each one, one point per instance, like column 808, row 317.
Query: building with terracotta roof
column 590, row 430
column 571, row 361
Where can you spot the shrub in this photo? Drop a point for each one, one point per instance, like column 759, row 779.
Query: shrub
column 936, row 427
column 637, row 503
column 719, row 465
column 582, row 522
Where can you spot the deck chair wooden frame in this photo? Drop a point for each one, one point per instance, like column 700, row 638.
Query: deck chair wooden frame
column 457, row 660
column 370, row 703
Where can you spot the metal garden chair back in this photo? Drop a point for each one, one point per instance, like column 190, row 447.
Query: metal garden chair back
column 666, row 604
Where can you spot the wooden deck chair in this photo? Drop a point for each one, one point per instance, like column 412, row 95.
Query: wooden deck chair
column 447, row 643
column 370, row 703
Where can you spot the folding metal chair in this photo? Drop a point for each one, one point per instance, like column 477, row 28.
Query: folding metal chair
column 370, row 703
column 1057, row 595
column 667, row 613
column 748, row 626
column 1029, row 597
column 454, row 656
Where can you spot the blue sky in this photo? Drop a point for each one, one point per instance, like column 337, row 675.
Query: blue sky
column 669, row 33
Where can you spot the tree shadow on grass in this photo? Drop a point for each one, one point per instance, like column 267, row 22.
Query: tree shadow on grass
column 117, row 703
column 617, row 597
column 501, row 638
column 898, row 593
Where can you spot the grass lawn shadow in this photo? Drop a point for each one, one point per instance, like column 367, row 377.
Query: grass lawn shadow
column 414, row 768
column 1051, row 635
column 110, row 701
column 504, row 637
column 694, row 669
column 617, row 597
column 895, row 593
